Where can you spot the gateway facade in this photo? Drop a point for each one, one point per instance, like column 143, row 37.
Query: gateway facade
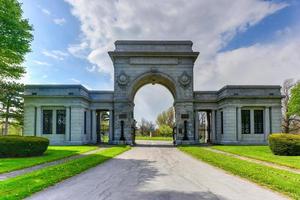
column 71, row 114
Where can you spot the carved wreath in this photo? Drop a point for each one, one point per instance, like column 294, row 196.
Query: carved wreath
column 123, row 79
column 184, row 79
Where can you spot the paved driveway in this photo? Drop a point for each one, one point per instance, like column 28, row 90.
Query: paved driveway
column 155, row 172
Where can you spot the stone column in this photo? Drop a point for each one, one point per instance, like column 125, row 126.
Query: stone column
column 252, row 121
column 68, row 125
column 239, row 123
column 267, row 123
column 213, row 126
column 94, row 128
column 111, row 114
column 54, row 121
column 196, row 126
column 39, row 121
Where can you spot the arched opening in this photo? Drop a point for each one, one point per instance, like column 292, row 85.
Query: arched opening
column 153, row 78
column 151, row 101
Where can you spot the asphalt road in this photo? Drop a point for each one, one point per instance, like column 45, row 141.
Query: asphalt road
column 155, row 171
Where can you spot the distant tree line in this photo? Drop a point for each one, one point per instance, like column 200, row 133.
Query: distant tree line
column 164, row 121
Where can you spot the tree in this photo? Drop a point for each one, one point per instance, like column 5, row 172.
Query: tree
column 286, row 92
column 166, row 118
column 146, row 127
column 11, row 110
column 294, row 103
column 165, row 130
column 290, row 121
column 15, row 38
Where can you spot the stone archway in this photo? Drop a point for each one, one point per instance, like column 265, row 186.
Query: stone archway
column 152, row 78
column 169, row 63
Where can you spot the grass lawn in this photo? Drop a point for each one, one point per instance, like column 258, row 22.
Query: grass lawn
column 153, row 138
column 262, row 153
column 53, row 153
column 280, row 180
column 24, row 185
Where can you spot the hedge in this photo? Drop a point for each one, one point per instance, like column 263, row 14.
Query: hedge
column 285, row 144
column 22, row 146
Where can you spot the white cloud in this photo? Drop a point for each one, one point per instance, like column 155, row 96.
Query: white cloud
column 75, row 80
column 41, row 63
column 259, row 64
column 59, row 21
column 209, row 24
column 79, row 50
column 148, row 106
column 45, row 11
column 55, row 54
column 91, row 68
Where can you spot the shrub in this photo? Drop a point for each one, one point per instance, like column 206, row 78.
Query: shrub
column 165, row 131
column 22, row 146
column 285, row 144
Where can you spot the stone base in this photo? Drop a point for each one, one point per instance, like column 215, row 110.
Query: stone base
column 185, row 142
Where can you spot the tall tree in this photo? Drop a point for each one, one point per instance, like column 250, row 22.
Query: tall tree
column 294, row 103
column 290, row 118
column 11, row 110
column 286, row 92
column 166, row 118
column 15, row 38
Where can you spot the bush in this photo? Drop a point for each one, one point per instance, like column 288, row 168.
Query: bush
column 165, row 131
column 22, row 146
column 285, row 144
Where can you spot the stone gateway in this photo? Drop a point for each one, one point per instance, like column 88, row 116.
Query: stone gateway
column 71, row 114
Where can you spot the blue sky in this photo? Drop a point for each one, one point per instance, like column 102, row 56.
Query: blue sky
column 55, row 28
column 240, row 42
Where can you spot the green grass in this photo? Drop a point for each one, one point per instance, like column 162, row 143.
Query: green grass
column 153, row 138
column 276, row 179
column 262, row 153
column 52, row 153
column 27, row 184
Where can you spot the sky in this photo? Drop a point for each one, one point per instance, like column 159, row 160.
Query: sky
column 240, row 42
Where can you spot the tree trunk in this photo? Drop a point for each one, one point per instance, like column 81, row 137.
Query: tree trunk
column 6, row 121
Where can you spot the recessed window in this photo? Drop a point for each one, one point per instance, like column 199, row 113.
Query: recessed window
column 258, row 121
column 60, row 121
column 246, row 122
column 47, row 121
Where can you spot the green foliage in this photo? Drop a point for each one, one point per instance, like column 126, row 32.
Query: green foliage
column 263, row 153
column 24, row 185
column 15, row 38
column 20, row 146
column 280, row 180
column 11, row 104
column 166, row 117
column 53, row 153
column 145, row 127
column 285, row 144
column 165, row 131
column 294, row 103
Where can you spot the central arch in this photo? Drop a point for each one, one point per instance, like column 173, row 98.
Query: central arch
column 152, row 78
column 168, row 63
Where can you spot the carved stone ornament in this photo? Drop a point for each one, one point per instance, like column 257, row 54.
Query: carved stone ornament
column 123, row 79
column 184, row 79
